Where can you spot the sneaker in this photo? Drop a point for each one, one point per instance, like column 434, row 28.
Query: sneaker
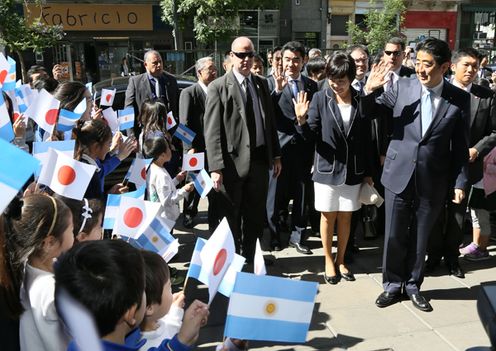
column 469, row 249
column 478, row 255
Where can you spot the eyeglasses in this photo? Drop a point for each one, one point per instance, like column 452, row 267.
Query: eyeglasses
column 394, row 53
column 243, row 55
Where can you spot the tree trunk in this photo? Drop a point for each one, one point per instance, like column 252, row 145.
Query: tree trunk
column 23, row 67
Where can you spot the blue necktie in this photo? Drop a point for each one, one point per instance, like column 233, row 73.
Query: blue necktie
column 294, row 87
column 426, row 110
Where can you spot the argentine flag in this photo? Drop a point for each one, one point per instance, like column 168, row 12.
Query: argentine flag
column 6, row 131
column 16, row 166
column 67, row 120
column 126, row 118
column 185, row 134
column 157, row 238
column 268, row 308
column 203, row 183
column 113, row 203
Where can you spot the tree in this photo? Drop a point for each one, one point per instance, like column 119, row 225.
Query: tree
column 379, row 25
column 17, row 35
column 212, row 19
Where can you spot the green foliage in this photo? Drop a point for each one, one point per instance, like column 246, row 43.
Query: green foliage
column 380, row 25
column 212, row 19
column 17, row 35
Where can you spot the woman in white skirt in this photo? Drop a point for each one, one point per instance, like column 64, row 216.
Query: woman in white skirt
column 342, row 139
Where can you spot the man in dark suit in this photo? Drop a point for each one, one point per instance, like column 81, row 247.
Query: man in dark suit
column 241, row 141
column 297, row 153
column 191, row 111
column 447, row 235
column 428, row 154
column 154, row 84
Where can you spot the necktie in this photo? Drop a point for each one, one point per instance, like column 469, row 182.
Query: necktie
column 426, row 110
column 295, row 88
column 157, row 87
column 252, row 104
column 360, row 86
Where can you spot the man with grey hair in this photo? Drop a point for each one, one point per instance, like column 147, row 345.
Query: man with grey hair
column 314, row 53
column 154, row 84
column 191, row 111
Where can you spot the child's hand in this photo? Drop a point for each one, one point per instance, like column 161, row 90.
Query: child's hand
column 189, row 187
column 178, row 299
column 19, row 127
column 181, row 176
column 119, row 188
column 195, row 317
column 126, row 147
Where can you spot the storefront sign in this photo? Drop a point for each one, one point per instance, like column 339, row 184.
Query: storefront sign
column 86, row 17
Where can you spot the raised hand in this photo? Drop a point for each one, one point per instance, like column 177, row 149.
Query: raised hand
column 378, row 76
column 301, row 107
column 280, row 79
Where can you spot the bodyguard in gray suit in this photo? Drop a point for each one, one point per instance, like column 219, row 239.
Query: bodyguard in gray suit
column 242, row 145
column 427, row 155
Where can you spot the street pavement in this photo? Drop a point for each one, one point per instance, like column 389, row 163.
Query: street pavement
column 345, row 316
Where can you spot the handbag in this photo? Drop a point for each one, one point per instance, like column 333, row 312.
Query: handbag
column 368, row 195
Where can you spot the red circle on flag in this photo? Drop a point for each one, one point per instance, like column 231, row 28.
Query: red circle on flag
column 16, row 116
column 220, row 260
column 143, row 173
column 108, row 97
column 169, row 120
column 133, row 217
column 51, row 116
column 66, row 175
column 193, row 161
column 3, row 75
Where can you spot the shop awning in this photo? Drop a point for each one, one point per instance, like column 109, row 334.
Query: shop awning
column 479, row 8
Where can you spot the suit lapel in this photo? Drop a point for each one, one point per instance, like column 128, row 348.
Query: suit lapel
column 353, row 112
column 474, row 106
column 201, row 95
column 440, row 111
column 333, row 107
column 146, row 84
column 234, row 88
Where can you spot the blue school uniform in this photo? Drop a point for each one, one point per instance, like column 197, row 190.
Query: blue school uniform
column 95, row 187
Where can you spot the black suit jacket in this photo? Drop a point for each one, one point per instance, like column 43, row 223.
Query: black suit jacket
column 482, row 127
column 439, row 158
column 191, row 111
column 226, row 132
column 139, row 90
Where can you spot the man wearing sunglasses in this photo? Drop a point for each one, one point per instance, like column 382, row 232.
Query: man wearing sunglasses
column 242, row 145
column 394, row 53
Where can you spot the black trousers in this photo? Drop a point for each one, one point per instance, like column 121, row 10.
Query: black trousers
column 409, row 222
column 242, row 201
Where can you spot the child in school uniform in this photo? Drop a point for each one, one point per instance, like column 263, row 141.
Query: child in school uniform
column 118, row 268
column 159, row 184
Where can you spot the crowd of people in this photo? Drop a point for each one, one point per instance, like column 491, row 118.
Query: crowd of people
column 291, row 152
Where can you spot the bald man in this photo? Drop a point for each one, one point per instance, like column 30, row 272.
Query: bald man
column 242, row 145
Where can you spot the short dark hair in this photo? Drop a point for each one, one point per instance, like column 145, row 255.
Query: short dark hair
column 277, row 48
column 157, row 275
column 106, row 276
column 458, row 54
column 294, row 46
column 47, row 83
column 154, row 147
column 315, row 65
column 36, row 69
column 397, row 41
column 354, row 47
column 438, row 48
column 340, row 65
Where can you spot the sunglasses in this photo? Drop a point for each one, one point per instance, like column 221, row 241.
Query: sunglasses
column 394, row 53
column 243, row 55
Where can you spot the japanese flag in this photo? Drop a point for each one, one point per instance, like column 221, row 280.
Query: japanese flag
column 134, row 216
column 4, row 68
column 107, row 97
column 171, row 121
column 110, row 117
column 193, row 162
column 44, row 111
column 216, row 257
column 66, row 176
column 10, row 80
column 137, row 172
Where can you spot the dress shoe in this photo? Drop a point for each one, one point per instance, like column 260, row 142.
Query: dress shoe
column 332, row 280
column 420, row 302
column 386, row 299
column 455, row 270
column 188, row 221
column 301, row 248
column 431, row 264
column 348, row 276
column 276, row 245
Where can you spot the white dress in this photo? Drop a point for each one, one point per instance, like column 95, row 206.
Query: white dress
column 342, row 198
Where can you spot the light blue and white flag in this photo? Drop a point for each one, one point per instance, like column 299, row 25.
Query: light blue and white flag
column 6, row 130
column 16, row 166
column 203, row 183
column 126, row 118
column 185, row 134
column 195, row 265
column 67, row 120
column 113, row 203
column 21, row 104
column 157, row 238
column 268, row 308
column 41, row 148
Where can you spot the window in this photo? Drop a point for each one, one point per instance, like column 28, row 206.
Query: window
column 338, row 24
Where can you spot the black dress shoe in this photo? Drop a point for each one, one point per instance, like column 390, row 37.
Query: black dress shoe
column 455, row 270
column 386, row 299
column 348, row 276
column 332, row 280
column 276, row 245
column 188, row 221
column 420, row 302
column 301, row 248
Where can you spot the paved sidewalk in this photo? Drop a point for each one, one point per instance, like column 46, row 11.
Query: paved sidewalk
column 345, row 316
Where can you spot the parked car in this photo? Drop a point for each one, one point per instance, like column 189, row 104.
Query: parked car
column 120, row 85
